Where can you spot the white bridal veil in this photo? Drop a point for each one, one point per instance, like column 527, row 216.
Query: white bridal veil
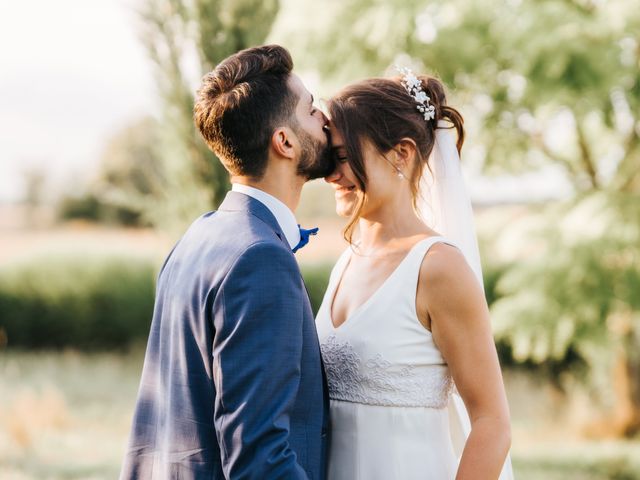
column 444, row 202
column 445, row 206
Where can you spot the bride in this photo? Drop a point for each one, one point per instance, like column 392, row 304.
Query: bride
column 404, row 326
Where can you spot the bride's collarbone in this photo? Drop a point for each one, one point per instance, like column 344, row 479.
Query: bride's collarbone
column 365, row 275
column 365, row 271
column 361, row 280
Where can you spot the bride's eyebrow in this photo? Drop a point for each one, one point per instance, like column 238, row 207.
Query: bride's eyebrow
column 337, row 149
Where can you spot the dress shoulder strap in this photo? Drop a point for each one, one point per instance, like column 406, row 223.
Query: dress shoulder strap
column 421, row 248
column 414, row 262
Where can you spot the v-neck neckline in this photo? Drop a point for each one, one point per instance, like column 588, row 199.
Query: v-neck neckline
column 363, row 305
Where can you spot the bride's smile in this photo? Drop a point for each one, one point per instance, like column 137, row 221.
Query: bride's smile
column 343, row 190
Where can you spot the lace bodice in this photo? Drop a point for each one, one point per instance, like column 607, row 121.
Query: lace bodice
column 377, row 381
column 382, row 355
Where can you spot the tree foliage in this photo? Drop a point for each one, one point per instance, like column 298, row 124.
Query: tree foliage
column 579, row 297
column 547, row 81
column 129, row 181
column 185, row 39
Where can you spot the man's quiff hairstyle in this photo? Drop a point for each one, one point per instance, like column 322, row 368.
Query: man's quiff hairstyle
column 241, row 102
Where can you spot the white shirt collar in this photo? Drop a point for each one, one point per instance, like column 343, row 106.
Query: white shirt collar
column 284, row 216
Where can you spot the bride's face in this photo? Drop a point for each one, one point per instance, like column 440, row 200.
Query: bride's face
column 342, row 179
column 381, row 185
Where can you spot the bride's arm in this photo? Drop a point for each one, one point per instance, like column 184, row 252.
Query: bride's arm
column 451, row 303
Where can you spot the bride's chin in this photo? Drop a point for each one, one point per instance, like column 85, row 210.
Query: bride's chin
column 344, row 209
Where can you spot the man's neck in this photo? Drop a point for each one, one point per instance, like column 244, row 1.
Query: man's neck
column 287, row 192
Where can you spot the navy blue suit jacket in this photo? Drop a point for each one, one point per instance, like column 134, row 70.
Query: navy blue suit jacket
column 232, row 384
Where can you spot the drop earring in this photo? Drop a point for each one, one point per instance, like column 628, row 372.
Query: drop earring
column 399, row 173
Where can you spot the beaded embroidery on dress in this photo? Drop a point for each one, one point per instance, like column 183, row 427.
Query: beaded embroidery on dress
column 376, row 381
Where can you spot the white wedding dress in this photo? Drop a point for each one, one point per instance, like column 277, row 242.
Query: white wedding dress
column 392, row 411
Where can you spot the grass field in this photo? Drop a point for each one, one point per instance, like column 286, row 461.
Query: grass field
column 66, row 415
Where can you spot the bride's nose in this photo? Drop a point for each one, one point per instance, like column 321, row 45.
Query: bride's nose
column 334, row 176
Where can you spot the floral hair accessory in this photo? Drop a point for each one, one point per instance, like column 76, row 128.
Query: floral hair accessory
column 413, row 86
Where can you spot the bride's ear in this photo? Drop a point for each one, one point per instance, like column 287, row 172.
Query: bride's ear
column 283, row 141
column 405, row 152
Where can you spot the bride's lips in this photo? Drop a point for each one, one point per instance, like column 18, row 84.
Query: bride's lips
column 344, row 190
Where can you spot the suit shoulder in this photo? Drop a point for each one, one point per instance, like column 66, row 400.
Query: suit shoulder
column 239, row 227
column 267, row 253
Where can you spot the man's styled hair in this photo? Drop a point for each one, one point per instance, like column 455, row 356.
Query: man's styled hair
column 241, row 102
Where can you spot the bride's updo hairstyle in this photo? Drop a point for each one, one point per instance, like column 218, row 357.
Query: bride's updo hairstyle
column 382, row 111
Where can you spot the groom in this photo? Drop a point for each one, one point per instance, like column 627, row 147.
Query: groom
column 232, row 385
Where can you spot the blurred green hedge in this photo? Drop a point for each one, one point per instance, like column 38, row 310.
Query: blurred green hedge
column 95, row 302
column 73, row 301
column 316, row 278
column 99, row 301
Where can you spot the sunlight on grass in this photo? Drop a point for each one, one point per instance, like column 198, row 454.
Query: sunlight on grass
column 67, row 416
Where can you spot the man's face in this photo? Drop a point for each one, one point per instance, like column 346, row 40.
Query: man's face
column 316, row 159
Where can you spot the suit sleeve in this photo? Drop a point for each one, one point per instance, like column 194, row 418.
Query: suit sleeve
column 256, row 356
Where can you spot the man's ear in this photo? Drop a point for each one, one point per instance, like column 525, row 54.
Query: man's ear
column 405, row 152
column 283, row 141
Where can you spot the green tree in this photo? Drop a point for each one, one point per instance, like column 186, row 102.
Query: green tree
column 577, row 297
column 527, row 71
column 186, row 39
column 131, row 178
column 129, row 181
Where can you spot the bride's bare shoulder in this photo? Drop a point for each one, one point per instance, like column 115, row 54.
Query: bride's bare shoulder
column 445, row 266
column 446, row 286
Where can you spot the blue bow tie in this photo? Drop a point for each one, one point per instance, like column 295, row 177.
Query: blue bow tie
column 304, row 237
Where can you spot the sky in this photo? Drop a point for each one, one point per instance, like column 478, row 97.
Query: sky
column 72, row 73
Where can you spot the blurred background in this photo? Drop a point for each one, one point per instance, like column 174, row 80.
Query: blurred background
column 101, row 170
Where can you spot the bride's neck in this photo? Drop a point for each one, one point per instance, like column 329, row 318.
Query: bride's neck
column 387, row 226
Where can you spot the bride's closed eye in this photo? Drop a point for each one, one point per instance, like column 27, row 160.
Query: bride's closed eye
column 339, row 154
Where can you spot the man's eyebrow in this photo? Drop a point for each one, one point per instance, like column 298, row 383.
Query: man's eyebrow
column 311, row 98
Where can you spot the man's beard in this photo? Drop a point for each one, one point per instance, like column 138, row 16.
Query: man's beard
column 316, row 159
